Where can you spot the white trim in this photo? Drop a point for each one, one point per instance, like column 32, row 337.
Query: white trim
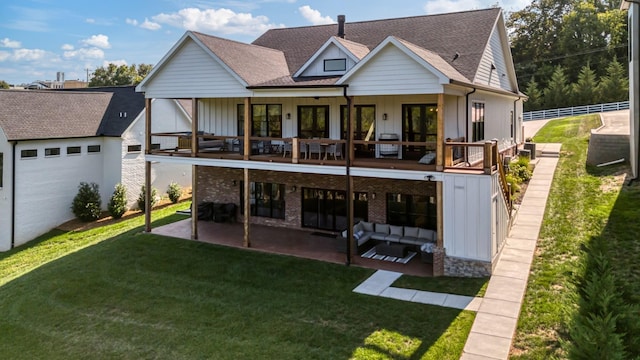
column 318, row 53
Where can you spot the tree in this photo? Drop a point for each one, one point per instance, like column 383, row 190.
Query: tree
column 118, row 202
column 535, row 96
column 585, row 92
column 4, row 84
column 114, row 75
column 557, row 92
column 614, row 86
column 87, row 204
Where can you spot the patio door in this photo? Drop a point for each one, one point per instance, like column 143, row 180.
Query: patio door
column 327, row 210
column 419, row 124
column 313, row 122
column 364, row 128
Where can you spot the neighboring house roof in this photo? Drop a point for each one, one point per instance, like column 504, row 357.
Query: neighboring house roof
column 35, row 114
column 464, row 33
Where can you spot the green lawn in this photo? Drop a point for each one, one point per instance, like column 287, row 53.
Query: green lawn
column 115, row 292
column 589, row 211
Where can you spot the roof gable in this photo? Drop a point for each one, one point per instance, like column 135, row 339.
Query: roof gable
column 353, row 51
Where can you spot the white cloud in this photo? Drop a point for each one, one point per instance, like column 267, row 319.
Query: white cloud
column 446, row 6
column 115, row 62
column 4, row 55
column 84, row 53
column 6, row 42
column 314, row 16
column 211, row 20
column 67, row 47
column 100, row 41
column 150, row 25
column 133, row 22
column 28, row 54
column 90, row 21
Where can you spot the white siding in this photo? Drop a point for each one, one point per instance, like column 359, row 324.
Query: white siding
column 494, row 54
column 46, row 186
column 393, row 72
column 500, row 216
column 497, row 122
column 5, row 193
column 467, row 216
column 192, row 72
column 634, row 87
column 316, row 68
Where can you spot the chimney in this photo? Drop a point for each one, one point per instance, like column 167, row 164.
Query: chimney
column 341, row 19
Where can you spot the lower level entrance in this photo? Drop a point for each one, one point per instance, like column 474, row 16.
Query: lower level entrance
column 327, row 209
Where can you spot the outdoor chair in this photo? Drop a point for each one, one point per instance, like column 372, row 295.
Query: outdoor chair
column 315, row 148
column 335, row 150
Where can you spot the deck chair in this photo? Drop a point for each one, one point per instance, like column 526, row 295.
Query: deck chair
column 315, row 148
column 335, row 150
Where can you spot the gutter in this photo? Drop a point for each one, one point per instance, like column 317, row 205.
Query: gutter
column 273, row 87
column 13, row 196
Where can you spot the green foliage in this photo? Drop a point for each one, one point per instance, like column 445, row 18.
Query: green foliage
column 143, row 195
column 535, row 96
column 4, row 84
column 87, row 204
column 118, row 202
column 558, row 90
column 584, row 92
column 615, row 85
column 519, row 171
column 113, row 75
column 514, row 182
column 174, row 191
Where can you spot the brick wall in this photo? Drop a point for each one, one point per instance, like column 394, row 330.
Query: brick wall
column 607, row 147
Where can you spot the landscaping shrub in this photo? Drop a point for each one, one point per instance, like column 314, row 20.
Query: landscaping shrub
column 514, row 182
column 142, row 198
column 521, row 169
column 118, row 202
column 87, row 204
column 174, row 192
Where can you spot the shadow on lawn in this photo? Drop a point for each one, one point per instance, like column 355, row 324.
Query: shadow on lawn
column 142, row 295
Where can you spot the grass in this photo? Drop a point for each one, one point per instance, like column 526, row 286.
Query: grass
column 449, row 285
column 115, row 292
column 586, row 206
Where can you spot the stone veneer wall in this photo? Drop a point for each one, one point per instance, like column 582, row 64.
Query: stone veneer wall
column 216, row 185
column 466, row 268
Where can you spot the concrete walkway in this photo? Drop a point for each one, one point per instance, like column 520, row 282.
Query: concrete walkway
column 614, row 122
column 493, row 330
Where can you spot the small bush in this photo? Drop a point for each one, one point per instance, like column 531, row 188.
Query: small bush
column 87, row 204
column 118, row 202
column 521, row 171
column 142, row 198
column 514, row 182
column 174, row 192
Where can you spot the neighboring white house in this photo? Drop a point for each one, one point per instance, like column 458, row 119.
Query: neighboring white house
column 633, row 8
column 404, row 116
column 50, row 141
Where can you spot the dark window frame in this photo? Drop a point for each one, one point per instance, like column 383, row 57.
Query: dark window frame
column 404, row 210
column 92, row 149
column 263, row 203
column 52, row 152
column 316, row 130
column 477, row 121
column 28, row 153
column 74, row 150
column 269, row 123
column 134, row 148
column 1, row 169
column 330, row 65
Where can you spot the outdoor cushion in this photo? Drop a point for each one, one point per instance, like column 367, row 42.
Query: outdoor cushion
column 382, row 228
column 411, row 231
column 395, row 230
column 378, row 236
column 344, row 234
column 411, row 240
column 392, row 237
column 357, row 227
column 426, row 234
column 367, row 226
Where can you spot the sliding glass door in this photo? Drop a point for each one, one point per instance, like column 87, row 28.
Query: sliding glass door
column 419, row 124
column 327, row 209
column 313, row 122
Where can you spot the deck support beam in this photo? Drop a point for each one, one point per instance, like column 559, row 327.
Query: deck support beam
column 246, row 242
column 194, row 170
column 147, row 165
column 349, row 185
column 248, row 125
column 440, row 134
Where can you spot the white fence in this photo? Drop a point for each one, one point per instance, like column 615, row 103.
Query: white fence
column 576, row 110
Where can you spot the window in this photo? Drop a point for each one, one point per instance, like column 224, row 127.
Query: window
column 1, row 168
column 335, row 65
column 93, row 148
column 364, row 128
column 412, row 210
column 313, row 122
column 72, row 150
column 155, row 146
column 477, row 121
column 134, row 148
column 30, row 153
column 52, row 152
column 419, row 124
column 267, row 120
column 327, row 209
column 267, row 200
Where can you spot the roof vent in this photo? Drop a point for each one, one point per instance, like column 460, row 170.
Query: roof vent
column 341, row 20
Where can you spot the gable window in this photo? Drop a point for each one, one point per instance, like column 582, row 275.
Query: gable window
column 29, row 153
column 52, row 152
column 267, row 200
column 73, row 150
column 412, row 210
column 134, row 148
column 335, row 65
column 93, row 148
column 477, row 121
column 1, row 168
column 267, row 120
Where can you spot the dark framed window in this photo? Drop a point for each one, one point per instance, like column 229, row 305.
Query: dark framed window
column 412, row 210
column 52, row 152
column 313, row 122
column 419, row 124
column 266, row 122
column 365, row 122
column 327, row 209
column 267, row 200
column 73, row 150
column 93, row 148
column 335, row 65
column 134, row 148
column 1, row 168
column 29, row 153
column 477, row 121
column 155, row 146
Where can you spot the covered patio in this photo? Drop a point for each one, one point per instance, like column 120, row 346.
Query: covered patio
column 292, row 242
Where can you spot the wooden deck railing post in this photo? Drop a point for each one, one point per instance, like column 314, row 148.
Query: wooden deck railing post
column 448, row 155
column 487, row 156
column 440, row 134
column 247, row 128
column 295, row 150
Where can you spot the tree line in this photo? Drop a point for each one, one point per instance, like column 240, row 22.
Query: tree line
column 570, row 52
column 114, row 75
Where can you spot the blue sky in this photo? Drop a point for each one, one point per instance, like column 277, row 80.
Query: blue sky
column 41, row 37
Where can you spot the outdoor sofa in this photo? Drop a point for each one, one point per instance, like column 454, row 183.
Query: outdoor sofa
column 365, row 234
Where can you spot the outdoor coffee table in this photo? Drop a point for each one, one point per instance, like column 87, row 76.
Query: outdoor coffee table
column 397, row 250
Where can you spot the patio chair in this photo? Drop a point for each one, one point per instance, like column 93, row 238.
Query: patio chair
column 315, row 147
column 335, row 150
column 287, row 147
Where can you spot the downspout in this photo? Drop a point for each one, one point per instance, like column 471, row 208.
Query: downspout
column 347, row 151
column 13, row 197
column 515, row 132
column 466, row 132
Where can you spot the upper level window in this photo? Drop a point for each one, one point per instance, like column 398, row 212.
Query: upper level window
column 266, row 122
column 30, row 153
column 477, row 121
column 93, row 148
column 335, row 65
column 71, row 150
column 52, row 152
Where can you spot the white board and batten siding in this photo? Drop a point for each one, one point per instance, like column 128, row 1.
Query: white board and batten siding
column 494, row 54
column 193, row 73
column 6, row 152
column 316, row 68
column 467, row 221
column 392, row 72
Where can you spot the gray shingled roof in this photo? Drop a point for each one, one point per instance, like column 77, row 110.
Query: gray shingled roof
column 34, row 114
column 358, row 50
column 254, row 64
column 466, row 33
column 435, row 60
